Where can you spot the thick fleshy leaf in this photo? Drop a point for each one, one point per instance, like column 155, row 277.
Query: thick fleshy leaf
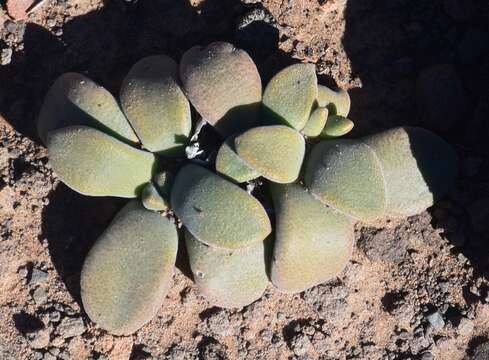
column 216, row 211
column 129, row 269
column 96, row 164
column 419, row 168
column 336, row 126
column 276, row 151
column 230, row 165
column 313, row 242
column 224, row 85
column 152, row 199
column 290, row 95
column 316, row 122
column 156, row 106
column 74, row 99
column 228, row 278
column 338, row 102
column 347, row 175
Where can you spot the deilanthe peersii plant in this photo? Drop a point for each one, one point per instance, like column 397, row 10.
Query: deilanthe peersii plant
column 287, row 134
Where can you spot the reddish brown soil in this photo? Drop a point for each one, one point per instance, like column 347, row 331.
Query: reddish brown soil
column 402, row 272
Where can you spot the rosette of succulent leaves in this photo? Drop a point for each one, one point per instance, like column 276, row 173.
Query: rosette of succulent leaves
column 314, row 184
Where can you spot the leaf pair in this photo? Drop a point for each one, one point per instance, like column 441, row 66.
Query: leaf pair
column 225, row 232
column 294, row 98
column 396, row 173
column 91, row 141
column 275, row 152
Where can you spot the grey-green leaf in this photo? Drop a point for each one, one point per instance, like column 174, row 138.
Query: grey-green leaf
column 336, row 126
column 156, row 106
column 419, row 168
column 276, row 152
column 96, row 164
column 313, row 242
column 230, row 165
column 129, row 269
column 224, row 85
column 316, row 122
column 74, row 99
column 216, row 211
column 228, row 278
column 152, row 199
column 347, row 175
column 338, row 102
column 290, row 95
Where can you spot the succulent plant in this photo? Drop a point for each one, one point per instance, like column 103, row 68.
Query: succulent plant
column 216, row 211
column 74, row 99
column 305, row 228
column 276, row 151
column 316, row 123
column 230, row 165
column 347, row 175
column 224, row 85
column 156, row 193
column 290, row 95
column 229, row 278
column 336, row 126
column 128, row 271
column 403, row 171
column 232, row 250
column 338, row 102
column 418, row 168
column 96, row 164
column 155, row 105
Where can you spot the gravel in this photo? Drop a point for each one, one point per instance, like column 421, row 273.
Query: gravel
column 70, row 327
column 39, row 339
column 218, row 323
column 481, row 352
column 38, row 277
column 300, row 344
column 39, row 295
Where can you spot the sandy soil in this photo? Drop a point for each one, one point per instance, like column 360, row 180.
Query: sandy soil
column 414, row 289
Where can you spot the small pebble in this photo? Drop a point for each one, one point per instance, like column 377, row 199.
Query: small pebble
column 10, row 26
column 70, row 327
column 23, row 272
column 38, row 277
column 39, row 295
column 443, row 285
column 51, row 22
column 301, row 345
column 436, row 320
column 466, row 327
column 6, row 56
column 54, row 351
column 54, row 316
column 64, row 356
column 39, row 339
column 49, row 356
column 266, row 335
column 219, row 324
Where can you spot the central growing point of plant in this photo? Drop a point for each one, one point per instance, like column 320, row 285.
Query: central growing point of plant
column 319, row 185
